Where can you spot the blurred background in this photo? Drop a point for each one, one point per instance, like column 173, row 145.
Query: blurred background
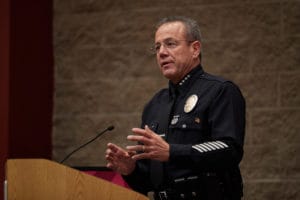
column 71, row 68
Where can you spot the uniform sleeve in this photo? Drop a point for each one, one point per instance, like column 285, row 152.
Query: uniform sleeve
column 137, row 180
column 226, row 119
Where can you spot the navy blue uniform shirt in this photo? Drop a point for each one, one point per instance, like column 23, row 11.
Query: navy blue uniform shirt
column 203, row 120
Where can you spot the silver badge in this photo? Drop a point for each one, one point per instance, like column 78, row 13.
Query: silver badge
column 190, row 103
column 175, row 119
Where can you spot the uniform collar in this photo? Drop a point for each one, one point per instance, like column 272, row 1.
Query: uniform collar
column 186, row 82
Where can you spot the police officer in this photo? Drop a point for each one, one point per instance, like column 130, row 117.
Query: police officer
column 191, row 141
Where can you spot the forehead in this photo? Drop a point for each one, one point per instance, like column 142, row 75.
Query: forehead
column 168, row 30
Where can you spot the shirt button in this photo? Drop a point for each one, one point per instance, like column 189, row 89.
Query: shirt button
column 183, row 125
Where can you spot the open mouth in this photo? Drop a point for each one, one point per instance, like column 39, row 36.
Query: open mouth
column 164, row 64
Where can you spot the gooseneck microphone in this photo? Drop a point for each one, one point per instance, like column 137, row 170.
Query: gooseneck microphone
column 107, row 129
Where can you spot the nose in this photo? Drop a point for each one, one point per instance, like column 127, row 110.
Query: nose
column 162, row 50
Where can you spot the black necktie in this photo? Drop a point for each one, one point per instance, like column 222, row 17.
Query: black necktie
column 156, row 167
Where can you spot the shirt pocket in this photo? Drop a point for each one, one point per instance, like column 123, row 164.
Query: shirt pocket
column 187, row 129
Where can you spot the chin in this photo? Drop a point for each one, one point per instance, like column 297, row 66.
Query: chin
column 168, row 75
column 168, row 71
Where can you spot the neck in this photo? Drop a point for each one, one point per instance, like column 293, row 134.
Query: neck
column 186, row 72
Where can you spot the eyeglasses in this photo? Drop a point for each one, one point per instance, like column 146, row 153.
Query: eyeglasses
column 168, row 44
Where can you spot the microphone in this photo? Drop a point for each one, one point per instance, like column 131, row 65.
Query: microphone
column 110, row 128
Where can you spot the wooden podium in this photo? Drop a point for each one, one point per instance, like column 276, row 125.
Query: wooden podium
column 40, row 179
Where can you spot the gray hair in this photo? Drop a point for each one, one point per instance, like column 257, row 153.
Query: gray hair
column 192, row 28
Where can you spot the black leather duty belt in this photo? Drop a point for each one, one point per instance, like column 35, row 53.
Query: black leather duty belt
column 183, row 188
column 171, row 195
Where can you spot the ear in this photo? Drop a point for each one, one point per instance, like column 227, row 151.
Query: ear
column 196, row 46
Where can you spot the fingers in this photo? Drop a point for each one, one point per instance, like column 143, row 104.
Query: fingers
column 151, row 146
column 114, row 148
column 138, row 148
column 110, row 166
column 131, row 153
column 140, row 135
column 143, row 156
column 145, row 136
column 141, row 139
column 147, row 132
column 114, row 152
column 119, row 160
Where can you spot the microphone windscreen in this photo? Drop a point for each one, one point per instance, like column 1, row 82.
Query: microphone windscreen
column 110, row 128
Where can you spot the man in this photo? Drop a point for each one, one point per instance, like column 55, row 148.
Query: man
column 191, row 141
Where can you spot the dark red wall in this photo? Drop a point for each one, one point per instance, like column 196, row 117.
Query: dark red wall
column 4, row 86
column 31, row 78
column 26, row 77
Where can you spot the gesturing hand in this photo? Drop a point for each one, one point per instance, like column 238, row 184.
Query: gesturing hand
column 152, row 145
column 119, row 159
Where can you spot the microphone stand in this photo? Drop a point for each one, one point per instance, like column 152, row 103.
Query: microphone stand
column 83, row 145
